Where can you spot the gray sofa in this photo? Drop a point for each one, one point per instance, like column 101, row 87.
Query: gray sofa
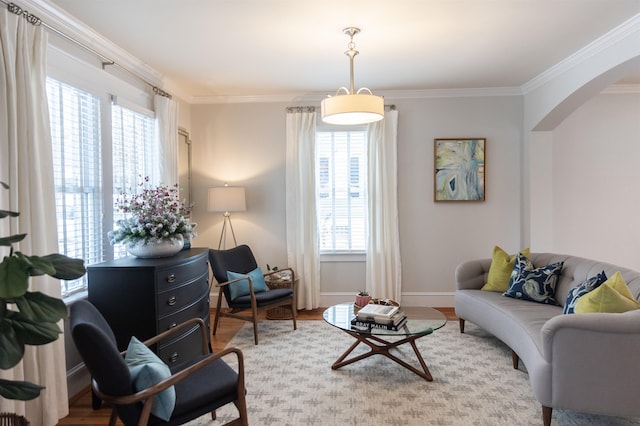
column 582, row 362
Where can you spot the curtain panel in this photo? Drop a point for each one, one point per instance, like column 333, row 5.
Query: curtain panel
column 302, row 233
column 167, row 130
column 383, row 270
column 26, row 165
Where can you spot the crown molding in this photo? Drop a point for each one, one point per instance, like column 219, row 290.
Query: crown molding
column 624, row 30
column 61, row 21
column 389, row 94
column 621, row 89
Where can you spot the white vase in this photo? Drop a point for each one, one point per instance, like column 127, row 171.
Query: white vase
column 163, row 248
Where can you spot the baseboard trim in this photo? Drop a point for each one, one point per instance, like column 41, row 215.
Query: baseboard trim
column 78, row 378
column 433, row 299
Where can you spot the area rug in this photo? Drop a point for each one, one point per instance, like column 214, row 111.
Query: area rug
column 290, row 382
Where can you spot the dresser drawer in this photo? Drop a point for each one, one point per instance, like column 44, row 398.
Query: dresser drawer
column 167, row 278
column 197, row 309
column 186, row 347
column 176, row 298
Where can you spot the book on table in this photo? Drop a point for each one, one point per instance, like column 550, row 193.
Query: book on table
column 394, row 319
column 373, row 312
column 395, row 323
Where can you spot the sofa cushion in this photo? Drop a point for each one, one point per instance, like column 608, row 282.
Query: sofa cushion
column 612, row 296
column 582, row 289
column 533, row 284
column 500, row 270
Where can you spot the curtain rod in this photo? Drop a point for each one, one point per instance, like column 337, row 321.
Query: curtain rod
column 106, row 61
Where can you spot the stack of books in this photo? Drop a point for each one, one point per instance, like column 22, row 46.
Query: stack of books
column 379, row 317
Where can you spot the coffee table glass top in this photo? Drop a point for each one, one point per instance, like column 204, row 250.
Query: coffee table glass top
column 420, row 320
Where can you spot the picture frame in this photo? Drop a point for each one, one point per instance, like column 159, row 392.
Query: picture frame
column 459, row 169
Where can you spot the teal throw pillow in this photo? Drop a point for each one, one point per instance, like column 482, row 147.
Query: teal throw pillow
column 534, row 284
column 241, row 288
column 582, row 289
column 147, row 370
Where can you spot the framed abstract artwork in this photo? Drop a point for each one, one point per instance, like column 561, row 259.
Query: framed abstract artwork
column 459, row 169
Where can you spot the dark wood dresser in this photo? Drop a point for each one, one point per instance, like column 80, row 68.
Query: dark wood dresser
column 143, row 297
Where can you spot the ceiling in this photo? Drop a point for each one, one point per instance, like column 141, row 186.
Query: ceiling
column 226, row 48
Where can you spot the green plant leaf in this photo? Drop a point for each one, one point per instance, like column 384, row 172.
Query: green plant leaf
column 7, row 241
column 40, row 307
column 36, row 265
column 5, row 213
column 66, row 267
column 15, row 389
column 11, row 348
column 31, row 332
column 14, row 278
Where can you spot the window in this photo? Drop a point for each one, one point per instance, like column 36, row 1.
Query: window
column 86, row 180
column 341, row 192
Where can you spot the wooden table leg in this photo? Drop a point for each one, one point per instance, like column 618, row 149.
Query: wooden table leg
column 382, row 347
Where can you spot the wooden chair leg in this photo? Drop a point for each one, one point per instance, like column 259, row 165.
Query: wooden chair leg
column 213, row 415
column 461, row 322
column 547, row 412
column 254, row 315
column 515, row 359
column 217, row 318
column 293, row 314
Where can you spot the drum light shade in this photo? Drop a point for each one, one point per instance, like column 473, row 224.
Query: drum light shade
column 352, row 107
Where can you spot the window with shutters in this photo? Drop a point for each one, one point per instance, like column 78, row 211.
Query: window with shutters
column 341, row 193
column 86, row 180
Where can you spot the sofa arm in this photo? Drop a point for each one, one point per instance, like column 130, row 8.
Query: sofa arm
column 594, row 351
column 472, row 274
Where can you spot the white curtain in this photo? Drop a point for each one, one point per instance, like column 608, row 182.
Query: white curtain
column 383, row 276
column 26, row 165
column 302, row 234
column 167, row 126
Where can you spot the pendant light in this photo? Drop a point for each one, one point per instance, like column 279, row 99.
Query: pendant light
column 352, row 107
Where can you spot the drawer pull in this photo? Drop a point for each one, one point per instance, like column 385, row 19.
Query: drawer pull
column 172, row 301
column 173, row 324
column 171, row 278
column 174, row 357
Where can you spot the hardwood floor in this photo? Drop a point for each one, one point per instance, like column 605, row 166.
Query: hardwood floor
column 81, row 412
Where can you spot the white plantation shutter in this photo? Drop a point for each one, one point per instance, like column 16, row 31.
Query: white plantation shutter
column 341, row 192
column 76, row 142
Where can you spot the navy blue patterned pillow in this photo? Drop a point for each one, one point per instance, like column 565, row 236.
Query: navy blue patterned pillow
column 534, row 284
column 582, row 289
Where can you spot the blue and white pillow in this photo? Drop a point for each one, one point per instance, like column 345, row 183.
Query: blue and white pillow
column 534, row 284
column 582, row 289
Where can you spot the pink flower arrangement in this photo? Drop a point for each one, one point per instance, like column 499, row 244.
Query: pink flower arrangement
column 154, row 214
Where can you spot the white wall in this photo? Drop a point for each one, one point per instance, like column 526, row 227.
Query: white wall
column 244, row 144
column 596, row 171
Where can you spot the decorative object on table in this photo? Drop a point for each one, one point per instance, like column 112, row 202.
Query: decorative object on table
column 362, row 298
column 459, row 169
column 384, row 302
column 226, row 199
column 35, row 322
column 352, row 107
column 156, row 223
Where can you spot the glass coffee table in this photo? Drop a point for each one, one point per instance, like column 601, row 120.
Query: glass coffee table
column 421, row 321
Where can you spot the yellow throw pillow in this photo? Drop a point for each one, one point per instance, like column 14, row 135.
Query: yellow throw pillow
column 612, row 296
column 500, row 269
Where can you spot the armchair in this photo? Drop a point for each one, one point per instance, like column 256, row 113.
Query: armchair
column 240, row 260
column 201, row 385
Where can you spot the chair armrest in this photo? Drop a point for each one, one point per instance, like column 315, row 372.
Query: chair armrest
column 147, row 394
column 472, row 274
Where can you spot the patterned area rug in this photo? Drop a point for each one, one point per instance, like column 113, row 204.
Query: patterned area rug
column 290, row 382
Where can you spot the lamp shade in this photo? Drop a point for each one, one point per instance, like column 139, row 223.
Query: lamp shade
column 352, row 109
column 226, row 199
